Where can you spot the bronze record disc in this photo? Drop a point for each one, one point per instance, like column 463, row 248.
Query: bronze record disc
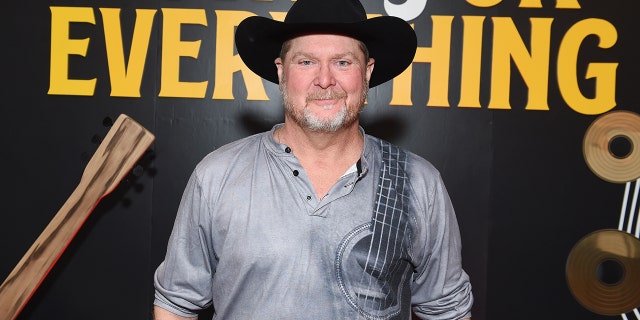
column 603, row 272
column 605, row 131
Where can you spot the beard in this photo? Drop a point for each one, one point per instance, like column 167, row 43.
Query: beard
column 346, row 116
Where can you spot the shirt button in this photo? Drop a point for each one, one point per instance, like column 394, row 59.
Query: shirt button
column 287, row 150
column 295, row 173
column 308, row 197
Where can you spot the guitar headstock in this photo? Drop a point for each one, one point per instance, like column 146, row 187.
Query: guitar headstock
column 118, row 152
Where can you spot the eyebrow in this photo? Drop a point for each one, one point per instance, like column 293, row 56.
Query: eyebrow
column 349, row 54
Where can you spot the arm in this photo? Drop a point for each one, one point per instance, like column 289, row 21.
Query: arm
column 441, row 289
column 162, row 314
column 183, row 281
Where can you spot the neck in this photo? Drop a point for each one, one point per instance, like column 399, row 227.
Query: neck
column 324, row 156
column 343, row 144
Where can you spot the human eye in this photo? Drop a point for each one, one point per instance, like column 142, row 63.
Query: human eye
column 304, row 62
column 343, row 63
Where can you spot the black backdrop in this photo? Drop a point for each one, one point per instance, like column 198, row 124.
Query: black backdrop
column 518, row 179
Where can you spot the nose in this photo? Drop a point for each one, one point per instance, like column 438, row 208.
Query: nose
column 325, row 77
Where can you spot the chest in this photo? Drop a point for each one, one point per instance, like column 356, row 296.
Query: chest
column 348, row 245
column 275, row 215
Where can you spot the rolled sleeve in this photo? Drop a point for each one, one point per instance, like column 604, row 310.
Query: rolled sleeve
column 183, row 281
column 441, row 288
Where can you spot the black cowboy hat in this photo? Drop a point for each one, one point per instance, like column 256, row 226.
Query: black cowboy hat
column 390, row 40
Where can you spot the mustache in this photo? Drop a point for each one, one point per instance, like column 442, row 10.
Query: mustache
column 326, row 95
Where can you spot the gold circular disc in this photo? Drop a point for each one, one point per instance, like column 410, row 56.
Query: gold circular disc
column 584, row 272
column 597, row 152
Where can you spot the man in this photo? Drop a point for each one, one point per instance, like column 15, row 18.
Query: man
column 315, row 219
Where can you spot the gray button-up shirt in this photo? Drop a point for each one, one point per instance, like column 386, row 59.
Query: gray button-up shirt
column 252, row 238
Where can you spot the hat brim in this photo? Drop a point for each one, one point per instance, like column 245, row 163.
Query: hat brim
column 390, row 41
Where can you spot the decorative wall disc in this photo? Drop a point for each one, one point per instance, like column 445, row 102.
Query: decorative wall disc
column 611, row 146
column 603, row 272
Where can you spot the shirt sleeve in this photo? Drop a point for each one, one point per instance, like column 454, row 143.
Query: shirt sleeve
column 441, row 289
column 183, row 280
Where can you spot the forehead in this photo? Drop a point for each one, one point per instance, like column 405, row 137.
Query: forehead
column 325, row 43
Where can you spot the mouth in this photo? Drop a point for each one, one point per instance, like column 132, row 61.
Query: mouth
column 326, row 99
column 326, row 104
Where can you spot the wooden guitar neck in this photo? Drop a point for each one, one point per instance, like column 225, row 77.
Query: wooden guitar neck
column 123, row 146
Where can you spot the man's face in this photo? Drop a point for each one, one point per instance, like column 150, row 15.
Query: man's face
column 324, row 81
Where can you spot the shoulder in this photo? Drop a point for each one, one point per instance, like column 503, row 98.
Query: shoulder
column 231, row 152
column 420, row 180
column 412, row 165
column 234, row 155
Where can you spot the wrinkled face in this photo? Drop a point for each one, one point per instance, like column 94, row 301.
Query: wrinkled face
column 324, row 81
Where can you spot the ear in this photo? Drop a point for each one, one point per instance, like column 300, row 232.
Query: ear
column 278, row 63
column 369, row 69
